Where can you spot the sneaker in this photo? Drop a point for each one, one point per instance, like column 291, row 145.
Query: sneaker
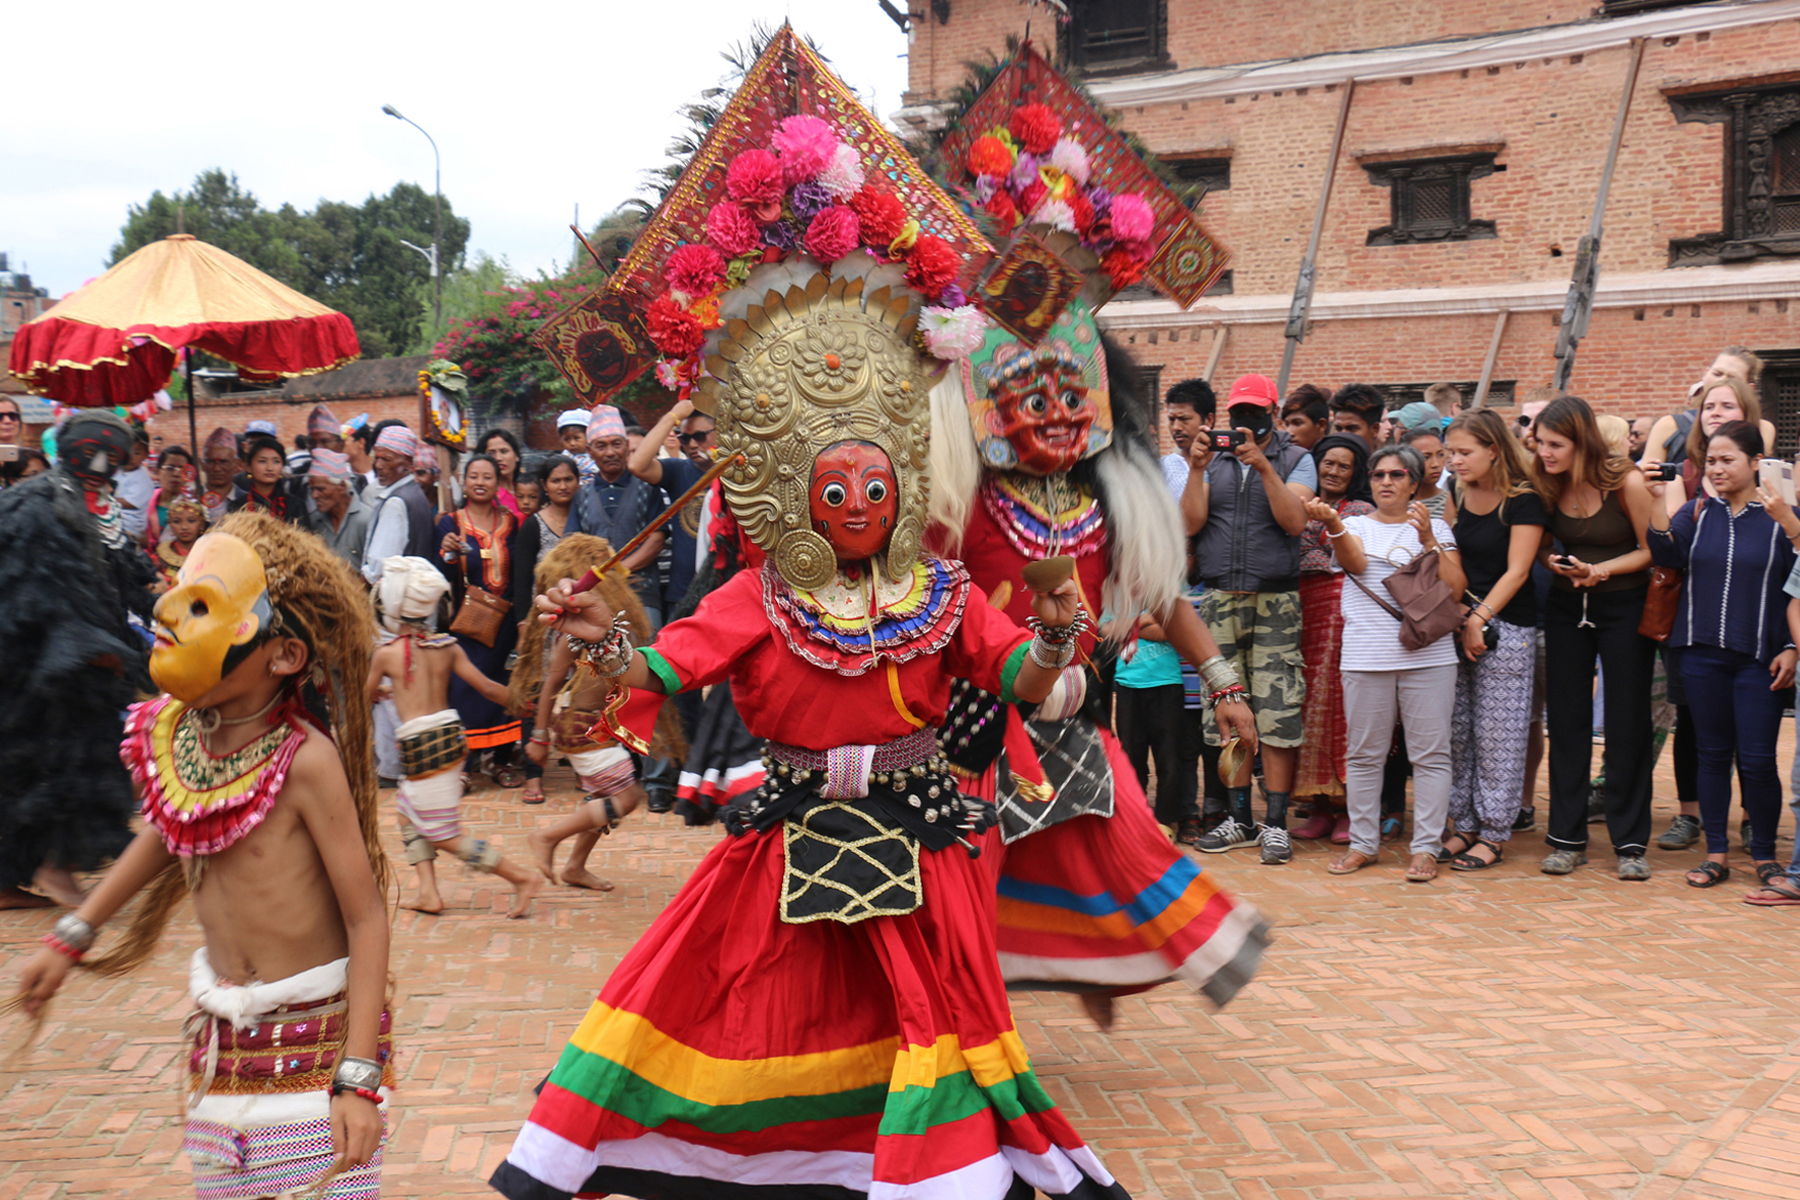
column 1229, row 835
column 1526, row 821
column 1276, row 848
column 1682, row 832
column 1563, row 862
column 1634, row 866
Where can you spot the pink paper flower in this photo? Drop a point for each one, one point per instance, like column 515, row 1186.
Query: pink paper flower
column 730, row 230
column 754, row 177
column 695, row 270
column 952, row 333
column 843, row 176
column 1132, row 220
column 806, row 145
column 834, row 233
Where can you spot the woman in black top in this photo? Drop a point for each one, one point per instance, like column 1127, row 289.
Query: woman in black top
column 1599, row 508
column 1499, row 522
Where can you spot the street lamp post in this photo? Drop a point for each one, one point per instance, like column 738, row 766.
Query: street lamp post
column 437, row 212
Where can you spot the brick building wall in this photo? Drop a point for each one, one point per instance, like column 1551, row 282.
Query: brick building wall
column 1541, row 101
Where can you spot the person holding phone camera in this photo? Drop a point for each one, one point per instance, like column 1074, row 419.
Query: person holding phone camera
column 1599, row 507
column 1499, row 522
column 1737, row 657
column 1244, row 505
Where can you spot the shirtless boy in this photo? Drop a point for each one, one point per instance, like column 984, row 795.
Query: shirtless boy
column 253, row 810
column 419, row 663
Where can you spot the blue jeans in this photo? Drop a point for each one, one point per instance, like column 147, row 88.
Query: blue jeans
column 1734, row 712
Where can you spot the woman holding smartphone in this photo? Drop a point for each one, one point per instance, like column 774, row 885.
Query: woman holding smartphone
column 1599, row 508
column 1737, row 659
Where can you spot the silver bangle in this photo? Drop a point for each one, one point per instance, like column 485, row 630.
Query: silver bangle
column 1334, row 536
column 74, row 932
column 1218, row 674
column 1059, row 655
column 355, row 1073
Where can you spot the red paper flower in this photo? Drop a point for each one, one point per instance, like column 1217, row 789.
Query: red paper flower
column 695, row 270
column 989, row 156
column 1084, row 212
column 932, row 265
column 1122, row 267
column 754, row 177
column 835, row 232
column 881, row 215
column 676, row 332
column 1032, row 196
column 730, row 230
column 1002, row 209
column 1035, row 127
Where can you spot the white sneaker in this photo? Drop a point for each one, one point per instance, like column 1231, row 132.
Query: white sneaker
column 1229, row 835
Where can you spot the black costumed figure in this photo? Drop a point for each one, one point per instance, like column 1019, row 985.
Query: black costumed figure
column 68, row 670
column 1042, row 449
column 804, row 1018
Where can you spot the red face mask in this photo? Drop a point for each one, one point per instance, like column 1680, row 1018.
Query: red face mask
column 1045, row 414
column 854, row 500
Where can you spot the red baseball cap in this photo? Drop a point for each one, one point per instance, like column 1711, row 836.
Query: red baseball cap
column 1253, row 389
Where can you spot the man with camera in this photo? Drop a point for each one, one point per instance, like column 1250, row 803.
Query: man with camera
column 1243, row 504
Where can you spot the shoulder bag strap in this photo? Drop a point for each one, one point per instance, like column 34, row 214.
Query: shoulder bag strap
column 1391, row 610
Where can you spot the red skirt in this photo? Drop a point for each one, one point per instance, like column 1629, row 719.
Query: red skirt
column 1320, row 770
column 1106, row 904
column 733, row 1055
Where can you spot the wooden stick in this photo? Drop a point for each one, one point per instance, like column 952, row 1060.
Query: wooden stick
column 595, row 254
column 592, row 578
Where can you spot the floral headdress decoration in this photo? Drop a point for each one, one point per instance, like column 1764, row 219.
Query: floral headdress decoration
column 1033, row 151
column 825, row 181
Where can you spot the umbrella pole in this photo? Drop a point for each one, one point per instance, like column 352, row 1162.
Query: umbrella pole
column 193, row 434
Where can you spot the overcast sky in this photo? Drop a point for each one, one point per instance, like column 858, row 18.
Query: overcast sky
column 535, row 107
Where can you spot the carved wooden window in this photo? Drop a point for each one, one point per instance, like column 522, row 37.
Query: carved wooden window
column 1780, row 387
column 1115, row 37
column 1204, row 175
column 1430, row 201
column 1399, row 395
column 1625, row 8
column 1761, row 211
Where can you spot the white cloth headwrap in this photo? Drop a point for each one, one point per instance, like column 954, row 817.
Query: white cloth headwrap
column 410, row 588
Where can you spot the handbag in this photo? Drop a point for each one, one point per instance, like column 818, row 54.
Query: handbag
column 1426, row 607
column 1663, row 597
column 481, row 613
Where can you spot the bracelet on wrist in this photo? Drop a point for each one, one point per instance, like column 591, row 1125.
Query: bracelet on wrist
column 61, row 947
column 74, row 932
column 1234, row 694
column 1341, row 531
column 369, row 1094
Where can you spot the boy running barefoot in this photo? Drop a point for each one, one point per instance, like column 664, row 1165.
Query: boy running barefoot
column 604, row 769
column 272, row 828
column 419, row 663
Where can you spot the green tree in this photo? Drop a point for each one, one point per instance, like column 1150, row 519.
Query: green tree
column 350, row 257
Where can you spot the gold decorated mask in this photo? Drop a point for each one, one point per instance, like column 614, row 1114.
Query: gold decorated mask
column 217, row 612
column 805, row 370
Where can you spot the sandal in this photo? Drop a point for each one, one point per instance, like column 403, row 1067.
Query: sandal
column 1469, row 842
column 1351, row 861
column 1392, row 827
column 1711, row 874
column 1766, row 871
column 533, row 793
column 1780, row 891
column 508, row 776
column 1422, row 869
column 1464, row 860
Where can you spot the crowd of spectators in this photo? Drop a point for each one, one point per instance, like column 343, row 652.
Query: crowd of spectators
column 1545, row 524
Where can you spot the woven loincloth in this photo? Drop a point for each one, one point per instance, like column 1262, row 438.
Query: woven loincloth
column 431, row 744
column 433, row 805
column 603, row 771
column 260, row 1059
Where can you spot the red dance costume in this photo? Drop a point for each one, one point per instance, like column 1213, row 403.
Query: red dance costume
column 1092, row 895
column 807, row 1018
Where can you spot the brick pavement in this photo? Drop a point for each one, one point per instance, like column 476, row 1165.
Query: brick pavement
column 1503, row 1034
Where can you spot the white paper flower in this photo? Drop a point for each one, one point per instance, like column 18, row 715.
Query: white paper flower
column 843, row 176
column 1068, row 157
column 952, row 333
column 1056, row 214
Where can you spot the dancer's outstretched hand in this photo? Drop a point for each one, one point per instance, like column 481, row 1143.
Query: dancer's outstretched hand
column 583, row 614
column 44, row 972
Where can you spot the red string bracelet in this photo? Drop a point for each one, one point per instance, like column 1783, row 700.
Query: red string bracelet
column 61, row 947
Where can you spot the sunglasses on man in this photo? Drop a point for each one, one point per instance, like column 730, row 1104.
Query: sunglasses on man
column 687, row 439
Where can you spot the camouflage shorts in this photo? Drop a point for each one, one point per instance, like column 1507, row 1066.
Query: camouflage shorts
column 1259, row 634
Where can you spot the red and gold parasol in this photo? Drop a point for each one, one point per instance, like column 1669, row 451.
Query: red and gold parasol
column 114, row 341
